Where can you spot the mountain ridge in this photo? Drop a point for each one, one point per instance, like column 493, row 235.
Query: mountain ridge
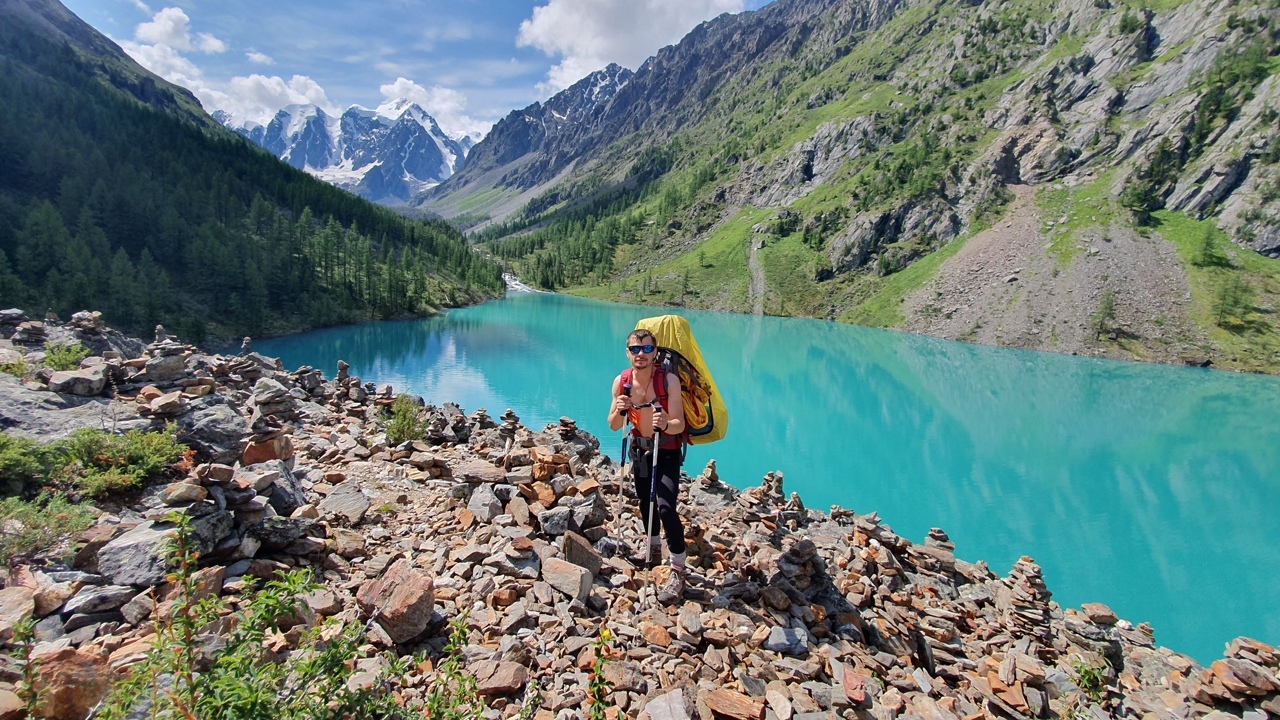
column 387, row 154
column 851, row 142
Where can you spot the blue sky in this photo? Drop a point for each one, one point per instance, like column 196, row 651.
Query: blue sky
column 468, row 62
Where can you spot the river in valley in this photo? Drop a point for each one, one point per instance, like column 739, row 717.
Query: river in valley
column 1150, row 488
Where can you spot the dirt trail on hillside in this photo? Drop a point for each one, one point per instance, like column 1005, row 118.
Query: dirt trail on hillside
column 1003, row 288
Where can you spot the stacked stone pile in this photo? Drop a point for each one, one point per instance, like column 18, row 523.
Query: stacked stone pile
column 789, row 613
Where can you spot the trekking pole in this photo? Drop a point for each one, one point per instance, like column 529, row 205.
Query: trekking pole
column 649, row 531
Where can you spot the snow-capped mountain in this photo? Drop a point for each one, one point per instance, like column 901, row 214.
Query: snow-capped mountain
column 387, row 155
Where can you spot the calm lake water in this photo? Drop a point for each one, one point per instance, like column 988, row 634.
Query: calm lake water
column 1152, row 489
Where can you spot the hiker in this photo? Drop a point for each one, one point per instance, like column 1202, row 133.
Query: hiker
column 649, row 398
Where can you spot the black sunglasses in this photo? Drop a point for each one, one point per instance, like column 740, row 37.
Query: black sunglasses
column 637, row 349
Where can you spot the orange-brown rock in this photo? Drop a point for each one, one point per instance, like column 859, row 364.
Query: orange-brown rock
column 71, row 683
column 729, row 704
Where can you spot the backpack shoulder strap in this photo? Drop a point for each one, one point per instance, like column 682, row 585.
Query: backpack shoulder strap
column 626, row 378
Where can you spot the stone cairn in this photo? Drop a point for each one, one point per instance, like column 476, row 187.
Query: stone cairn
column 788, row 612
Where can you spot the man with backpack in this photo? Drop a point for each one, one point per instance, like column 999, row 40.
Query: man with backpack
column 649, row 398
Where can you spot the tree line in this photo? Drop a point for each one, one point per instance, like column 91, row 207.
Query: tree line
column 108, row 203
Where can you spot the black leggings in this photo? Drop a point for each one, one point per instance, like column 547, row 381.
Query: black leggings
column 668, row 473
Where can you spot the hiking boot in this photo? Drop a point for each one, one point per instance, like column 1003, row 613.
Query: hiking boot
column 673, row 589
column 639, row 559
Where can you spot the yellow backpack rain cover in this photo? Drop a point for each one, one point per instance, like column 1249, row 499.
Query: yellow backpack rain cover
column 705, row 415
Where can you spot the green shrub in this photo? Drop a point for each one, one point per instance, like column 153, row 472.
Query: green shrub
column 61, row 356
column 18, row 369
column 406, row 422
column 253, row 670
column 454, row 695
column 33, row 527
column 100, row 463
column 22, row 461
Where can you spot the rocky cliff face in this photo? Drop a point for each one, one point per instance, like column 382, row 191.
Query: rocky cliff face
column 521, row 535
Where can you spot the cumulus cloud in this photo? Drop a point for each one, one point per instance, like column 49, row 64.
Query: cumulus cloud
column 447, row 106
column 589, row 34
column 159, row 44
column 171, row 28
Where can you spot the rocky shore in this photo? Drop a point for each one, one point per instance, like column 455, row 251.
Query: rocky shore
column 788, row 612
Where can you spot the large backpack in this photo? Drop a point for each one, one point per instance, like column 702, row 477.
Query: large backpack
column 706, row 418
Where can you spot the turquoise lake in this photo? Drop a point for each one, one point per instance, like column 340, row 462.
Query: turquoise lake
column 1153, row 489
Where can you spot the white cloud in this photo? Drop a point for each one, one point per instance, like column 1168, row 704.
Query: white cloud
column 446, row 105
column 589, row 34
column 258, row 58
column 170, row 28
column 142, row 6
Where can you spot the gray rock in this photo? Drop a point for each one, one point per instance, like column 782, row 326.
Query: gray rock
column 216, row 431
column 165, row 368
column 556, row 521
column 138, row 557
column 180, row 493
column 96, row 599
column 287, row 494
column 589, row 511
column 578, row 551
column 268, row 391
column 346, row 501
column 789, row 641
column 568, row 578
column 84, row 620
column 138, row 609
column 278, row 533
column 484, row 503
column 86, row 383
column 670, row 706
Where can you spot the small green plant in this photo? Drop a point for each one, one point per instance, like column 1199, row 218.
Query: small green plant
column 1102, row 318
column 20, row 368
column 64, row 356
column 23, row 462
column 24, row 640
column 99, row 463
column 259, row 671
column 406, row 421
column 1090, row 678
column 454, row 695
column 598, row 686
column 33, row 527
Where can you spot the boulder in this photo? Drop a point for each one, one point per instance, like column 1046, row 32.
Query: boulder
column 484, row 503
column 16, row 604
column 347, row 502
column 70, row 683
column 277, row 448
column 165, row 368
column 568, row 578
column 99, row 598
column 215, row 431
column 86, row 383
column 578, row 551
column 181, row 493
column 268, row 391
column 138, row 557
column 556, row 521
column 278, row 533
column 499, row 678
column 402, row 601
column 669, row 706
column 789, row 641
column 287, row 494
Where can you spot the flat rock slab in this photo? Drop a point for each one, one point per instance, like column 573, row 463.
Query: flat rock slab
column 499, row 678
column 568, row 578
column 96, row 599
column 670, row 706
column 729, row 704
column 479, row 471
column 345, row 501
column 138, row 557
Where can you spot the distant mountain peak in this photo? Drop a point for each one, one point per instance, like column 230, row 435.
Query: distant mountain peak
column 387, row 154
